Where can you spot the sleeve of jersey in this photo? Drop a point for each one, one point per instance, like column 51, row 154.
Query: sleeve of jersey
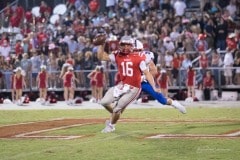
column 143, row 66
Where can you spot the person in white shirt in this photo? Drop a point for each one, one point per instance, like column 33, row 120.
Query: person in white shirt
column 5, row 49
column 232, row 8
column 168, row 60
column 168, row 44
column 227, row 64
column 179, row 7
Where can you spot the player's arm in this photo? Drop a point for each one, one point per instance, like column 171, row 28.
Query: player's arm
column 152, row 68
column 149, row 78
column 148, row 75
column 101, row 54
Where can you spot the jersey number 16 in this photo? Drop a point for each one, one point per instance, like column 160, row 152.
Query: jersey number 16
column 127, row 69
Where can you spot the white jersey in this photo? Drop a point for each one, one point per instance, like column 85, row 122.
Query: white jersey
column 149, row 57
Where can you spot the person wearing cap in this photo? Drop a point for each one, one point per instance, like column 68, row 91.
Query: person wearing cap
column 19, row 84
column 69, row 85
column 42, row 81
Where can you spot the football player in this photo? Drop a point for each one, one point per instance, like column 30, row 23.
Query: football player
column 130, row 67
column 146, row 87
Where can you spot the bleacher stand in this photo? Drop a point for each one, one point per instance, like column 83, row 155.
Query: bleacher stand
column 47, row 34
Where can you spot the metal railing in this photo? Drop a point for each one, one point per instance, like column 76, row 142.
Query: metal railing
column 11, row 4
column 56, row 84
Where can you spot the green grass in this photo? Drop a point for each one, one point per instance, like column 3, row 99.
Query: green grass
column 128, row 142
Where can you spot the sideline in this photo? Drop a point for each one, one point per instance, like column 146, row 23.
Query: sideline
column 61, row 105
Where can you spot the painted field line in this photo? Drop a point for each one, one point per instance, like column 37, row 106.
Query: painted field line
column 159, row 136
column 30, row 134
column 53, row 137
column 237, row 133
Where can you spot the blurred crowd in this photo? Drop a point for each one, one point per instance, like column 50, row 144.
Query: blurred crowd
column 210, row 35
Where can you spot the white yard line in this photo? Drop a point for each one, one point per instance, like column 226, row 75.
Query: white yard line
column 31, row 134
column 88, row 105
column 160, row 136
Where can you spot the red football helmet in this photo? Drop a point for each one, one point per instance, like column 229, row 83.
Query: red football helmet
column 126, row 45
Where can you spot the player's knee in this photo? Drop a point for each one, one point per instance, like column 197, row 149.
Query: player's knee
column 104, row 103
column 117, row 110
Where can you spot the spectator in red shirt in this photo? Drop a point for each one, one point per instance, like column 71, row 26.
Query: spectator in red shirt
column 42, row 80
column 93, row 82
column 203, row 63
column 14, row 20
column 100, row 81
column 41, row 37
column 93, row 5
column 191, row 82
column 18, row 48
column 208, row 85
column 20, row 12
column 44, row 8
column 232, row 41
column 29, row 16
column 69, row 85
column 176, row 63
column 26, row 29
column 18, row 84
column 201, row 43
column 163, row 82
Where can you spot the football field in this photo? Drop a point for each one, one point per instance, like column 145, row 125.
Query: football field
column 209, row 130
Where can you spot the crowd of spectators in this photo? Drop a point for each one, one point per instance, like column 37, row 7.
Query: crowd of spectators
column 175, row 36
